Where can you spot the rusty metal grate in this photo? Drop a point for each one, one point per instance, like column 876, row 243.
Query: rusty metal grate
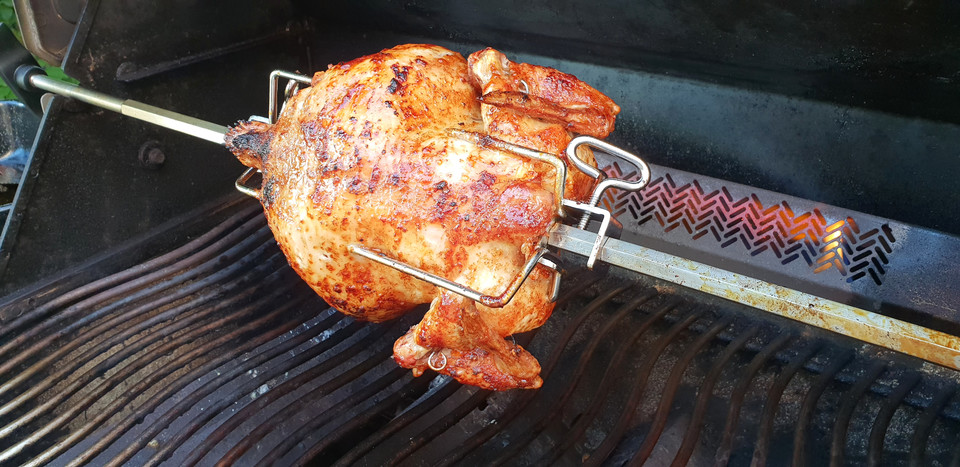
column 688, row 209
column 217, row 352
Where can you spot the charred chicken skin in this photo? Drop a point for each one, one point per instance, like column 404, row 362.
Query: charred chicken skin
column 365, row 156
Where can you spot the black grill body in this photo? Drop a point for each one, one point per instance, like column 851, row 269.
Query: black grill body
column 148, row 316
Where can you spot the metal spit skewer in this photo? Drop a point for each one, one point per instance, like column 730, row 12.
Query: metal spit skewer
column 202, row 129
column 902, row 336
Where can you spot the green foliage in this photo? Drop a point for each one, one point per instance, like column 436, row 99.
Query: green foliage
column 5, row 93
column 56, row 72
column 9, row 17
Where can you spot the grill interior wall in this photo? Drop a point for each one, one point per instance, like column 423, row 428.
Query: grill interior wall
column 833, row 118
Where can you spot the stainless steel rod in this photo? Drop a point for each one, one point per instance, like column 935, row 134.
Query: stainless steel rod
column 438, row 281
column 909, row 338
column 175, row 121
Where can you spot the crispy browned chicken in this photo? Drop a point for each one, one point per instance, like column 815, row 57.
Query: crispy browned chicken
column 364, row 156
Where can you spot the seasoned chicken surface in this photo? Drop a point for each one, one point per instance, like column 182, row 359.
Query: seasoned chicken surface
column 365, row 156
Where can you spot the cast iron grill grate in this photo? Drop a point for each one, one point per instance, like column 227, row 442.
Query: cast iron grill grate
column 217, row 352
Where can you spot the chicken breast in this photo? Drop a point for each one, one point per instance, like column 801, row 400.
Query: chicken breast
column 365, row 157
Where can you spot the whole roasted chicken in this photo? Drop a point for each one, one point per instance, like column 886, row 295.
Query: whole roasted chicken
column 365, row 156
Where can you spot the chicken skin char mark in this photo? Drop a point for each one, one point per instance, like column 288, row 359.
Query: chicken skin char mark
column 364, row 156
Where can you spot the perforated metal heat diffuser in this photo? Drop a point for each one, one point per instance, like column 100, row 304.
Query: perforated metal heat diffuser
column 868, row 261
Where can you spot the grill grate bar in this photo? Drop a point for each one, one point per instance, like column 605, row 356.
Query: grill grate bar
column 703, row 396
column 290, row 409
column 606, row 383
column 174, row 284
column 228, row 375
column 351, row 340
column 98, row 338
column 536, row 418
column 639, row 383
column 882, row 421
column 733, row 415
column 389, row 378
column 443, row 391
column 39, row 311
column 634, row 371
column 359, row 418
column 918, row 443
column 119, row 403
column 71, row 363
column 340, row 335
column 439, row 422
column 846, row 411
column 955, row 456
column 113, row 361
column 549, row 364
column 86, row 311
column 477, row 396
column 223, row 341
column 670, row 390
column 810, row 405
column 772, row 401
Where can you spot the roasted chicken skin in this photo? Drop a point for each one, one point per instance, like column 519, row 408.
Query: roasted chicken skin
column 365, row 156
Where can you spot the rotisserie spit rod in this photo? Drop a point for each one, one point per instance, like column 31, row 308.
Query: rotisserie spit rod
column 874, row 328
column 28, row 76
column 877, row 329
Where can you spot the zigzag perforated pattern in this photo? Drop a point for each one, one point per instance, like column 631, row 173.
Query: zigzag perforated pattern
column 775, row 229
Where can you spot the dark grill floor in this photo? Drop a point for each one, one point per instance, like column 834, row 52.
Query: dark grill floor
column 216, row 352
